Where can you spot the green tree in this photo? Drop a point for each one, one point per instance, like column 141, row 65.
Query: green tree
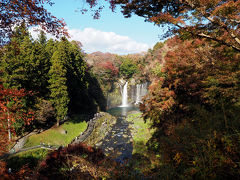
column 128, row 68
column 25, row 63
column 51, row 46
column 58, row 80
column 40, row 66
column 42, row 39
column 15, row 61
column 76, row 77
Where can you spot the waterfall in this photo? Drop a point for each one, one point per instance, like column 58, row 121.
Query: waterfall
column 125, row 95
column 138, row 94
column 141, row 90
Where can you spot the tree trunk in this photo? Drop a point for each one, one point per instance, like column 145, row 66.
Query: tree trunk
column 9, row 129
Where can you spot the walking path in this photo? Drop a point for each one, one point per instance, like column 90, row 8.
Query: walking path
column 118, row 143
column 20, row 142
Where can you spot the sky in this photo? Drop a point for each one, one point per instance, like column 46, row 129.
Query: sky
column 111, row 33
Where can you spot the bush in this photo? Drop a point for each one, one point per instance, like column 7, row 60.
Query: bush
column 45, row 112
column 128, row 68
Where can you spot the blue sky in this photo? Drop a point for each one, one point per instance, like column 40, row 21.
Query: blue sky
column 111, row 33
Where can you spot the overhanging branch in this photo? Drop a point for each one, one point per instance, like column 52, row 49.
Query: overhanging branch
column 202, row 35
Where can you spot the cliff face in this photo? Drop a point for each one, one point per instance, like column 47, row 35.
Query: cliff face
column 113, row 71
column 135, row 92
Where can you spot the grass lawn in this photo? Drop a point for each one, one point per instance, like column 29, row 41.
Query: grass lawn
column 55, row 136
column 30, row 158
column 141, row 132
column 142, row 159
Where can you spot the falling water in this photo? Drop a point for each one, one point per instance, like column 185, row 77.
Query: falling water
column 141, row 90
column 138, row 94
column 125, row 95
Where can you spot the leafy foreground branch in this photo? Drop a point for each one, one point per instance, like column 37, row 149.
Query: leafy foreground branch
column 213, row 20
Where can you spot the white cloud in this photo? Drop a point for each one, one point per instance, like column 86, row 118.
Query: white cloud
column 95, row 40
column 34, row 31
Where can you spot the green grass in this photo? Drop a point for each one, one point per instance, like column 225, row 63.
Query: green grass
column 142, row 159
column 30, row 158
column 141, row 132
column 54, row 136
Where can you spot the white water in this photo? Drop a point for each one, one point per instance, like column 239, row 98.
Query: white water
column 138, row 92
column 125, row 95
column 141, row 90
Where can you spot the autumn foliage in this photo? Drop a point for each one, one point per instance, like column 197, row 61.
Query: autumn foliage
column 109, row 68
column 12, row 110
column 194, row 107
column 32, row 13
column 197, row 18
column 80, row 161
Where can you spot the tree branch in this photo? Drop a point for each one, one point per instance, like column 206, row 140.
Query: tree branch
column 202, row 35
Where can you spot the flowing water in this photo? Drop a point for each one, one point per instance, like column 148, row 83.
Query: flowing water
column 141, row 90
column 118, row 143
column 122, row 111
column 125, row 95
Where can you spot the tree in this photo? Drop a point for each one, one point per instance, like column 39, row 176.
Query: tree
column 32, row 12
column 194, row 109
column 39, row 62
column 42, row 39
column 77, row 81
column 13, row 109
column 15, row 64
column 45, row 111
column 214, row 20
column 107, row 71
column 58, row 80
column 25, row 64
column 128, row 68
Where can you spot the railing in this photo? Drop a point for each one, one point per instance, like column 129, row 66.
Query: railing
column 91, row 124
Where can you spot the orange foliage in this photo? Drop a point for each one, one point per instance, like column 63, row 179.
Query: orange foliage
column 108, row 66
column 11, row 109
column 32, row 12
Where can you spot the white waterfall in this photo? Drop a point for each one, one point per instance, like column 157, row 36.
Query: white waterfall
column 141, row 90
column 125, row 95
column 138, row 94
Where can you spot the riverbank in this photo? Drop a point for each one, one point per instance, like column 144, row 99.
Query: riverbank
column 121, row 138
column 143, row 160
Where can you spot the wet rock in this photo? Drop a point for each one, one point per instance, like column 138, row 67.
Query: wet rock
column 118, row 141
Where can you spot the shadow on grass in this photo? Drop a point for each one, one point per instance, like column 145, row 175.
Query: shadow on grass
column 77, row 118
column 30, row 158
column 16, row 162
